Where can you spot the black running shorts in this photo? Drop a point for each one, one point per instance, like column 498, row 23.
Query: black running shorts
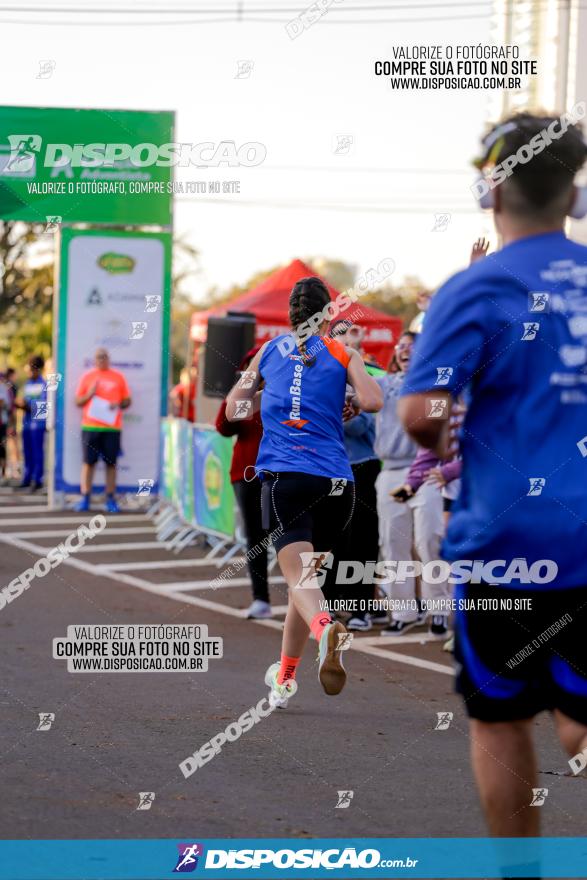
column 512, row 664
column 303, row 507
column 100, row 444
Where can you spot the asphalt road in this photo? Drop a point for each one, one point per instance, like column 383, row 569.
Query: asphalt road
column 115, row 735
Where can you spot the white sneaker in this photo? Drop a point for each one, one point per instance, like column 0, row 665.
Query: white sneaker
column 259, row 610
column 359, row 624
column 279, row 694
column 331, row 671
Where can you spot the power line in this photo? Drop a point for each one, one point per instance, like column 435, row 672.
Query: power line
column 237, row 14
column 238, row 10
column 243, row 20
column 438, row 208
column 341, row 170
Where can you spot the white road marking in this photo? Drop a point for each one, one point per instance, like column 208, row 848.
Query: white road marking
column 129, row 545
column 62, row 533
column 74, row 518
column 420, row 638
column 180, row 586
column 20, row 509
column 166, row 563
column 7, row 495
column 217, row 607
column 402, row 658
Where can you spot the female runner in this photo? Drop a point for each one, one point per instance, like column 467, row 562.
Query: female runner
column 307, row 494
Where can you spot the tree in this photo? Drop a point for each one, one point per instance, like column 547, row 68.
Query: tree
column 397, row 300
column 27, row 286
column 339, row 274
column 26, row 290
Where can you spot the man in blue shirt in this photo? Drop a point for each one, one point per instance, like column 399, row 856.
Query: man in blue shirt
column 33, row 402
column 511, row 333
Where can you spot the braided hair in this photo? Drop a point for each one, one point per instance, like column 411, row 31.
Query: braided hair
column 309, row 296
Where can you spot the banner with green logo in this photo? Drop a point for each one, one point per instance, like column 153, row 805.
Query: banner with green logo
column 114, row 293
column 166, row 466
column 94, row 166
column 213, row 493
column 195, row 475
column 174, row 457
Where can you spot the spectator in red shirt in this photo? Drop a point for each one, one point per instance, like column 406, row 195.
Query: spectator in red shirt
column 183, row 395
column 247, row 488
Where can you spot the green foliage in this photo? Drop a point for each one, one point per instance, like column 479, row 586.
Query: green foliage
column 26, row 295
column 27, row 284
column 26, row 290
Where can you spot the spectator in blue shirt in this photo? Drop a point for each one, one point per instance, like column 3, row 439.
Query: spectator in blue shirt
column 363, row 533
column 33, row 402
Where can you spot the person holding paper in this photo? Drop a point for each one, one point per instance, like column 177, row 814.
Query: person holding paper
column 102, row 393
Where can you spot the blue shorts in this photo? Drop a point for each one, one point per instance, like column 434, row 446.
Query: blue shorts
column 512, row 664
column 100, row 444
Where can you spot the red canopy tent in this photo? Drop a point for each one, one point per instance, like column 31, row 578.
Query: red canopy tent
column 269, row 303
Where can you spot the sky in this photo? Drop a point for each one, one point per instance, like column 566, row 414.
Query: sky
column 409, row 152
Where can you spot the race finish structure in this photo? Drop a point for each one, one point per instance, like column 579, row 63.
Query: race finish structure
column 66, row 167
column 86, row 166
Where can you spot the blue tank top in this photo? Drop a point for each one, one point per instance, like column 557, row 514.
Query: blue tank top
column 34, row 393
column 301, row 409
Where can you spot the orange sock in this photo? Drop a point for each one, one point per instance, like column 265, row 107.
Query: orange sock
column 319, row 621
column 287, row 668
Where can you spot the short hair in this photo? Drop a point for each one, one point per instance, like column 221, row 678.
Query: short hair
column 541, row 185
column 36, row 362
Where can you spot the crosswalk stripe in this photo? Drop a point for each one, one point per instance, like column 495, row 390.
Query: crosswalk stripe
column 17, row 540
column 74, row 518
column 128, row 545
column 169, row 563
column 62, row 533
column 181, row 586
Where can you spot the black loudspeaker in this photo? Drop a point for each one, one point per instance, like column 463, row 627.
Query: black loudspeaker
column 227, row 342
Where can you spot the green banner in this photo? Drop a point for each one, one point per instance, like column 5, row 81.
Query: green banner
column 93, row 166
column 166, row 476
column 213, row 492
column 195, row 475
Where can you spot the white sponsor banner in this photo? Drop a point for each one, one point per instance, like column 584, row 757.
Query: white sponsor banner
column 114, row 294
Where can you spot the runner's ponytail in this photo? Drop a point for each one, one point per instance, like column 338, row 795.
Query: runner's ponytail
column 309, row 296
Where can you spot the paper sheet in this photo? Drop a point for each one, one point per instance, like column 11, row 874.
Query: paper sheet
column 100, row 410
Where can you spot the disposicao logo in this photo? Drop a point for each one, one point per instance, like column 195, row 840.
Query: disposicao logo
column 116, row 263
column 187, row 860
column 20, row 158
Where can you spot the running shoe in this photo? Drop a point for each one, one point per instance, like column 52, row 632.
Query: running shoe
column 330, row 670
column 439, row 626
column 400, row 627
column 279, row 694
column 358, row 624
column 111, row 506
column 83, row 505
column 259, row 610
